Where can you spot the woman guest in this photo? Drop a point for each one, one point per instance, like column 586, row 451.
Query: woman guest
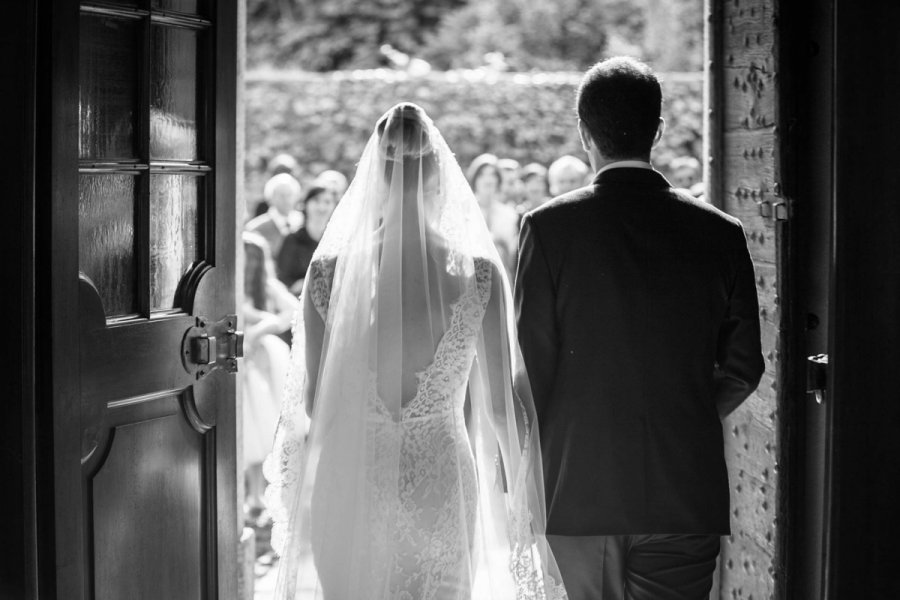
column 502, row 220
column 268, row 309
column 298, row 247
column 534, row 182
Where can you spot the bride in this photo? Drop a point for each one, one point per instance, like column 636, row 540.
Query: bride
column 420, row 477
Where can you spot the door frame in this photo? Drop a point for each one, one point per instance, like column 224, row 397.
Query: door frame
column 18, row 571
column 859, row 520
column 808, row 165
column 864, row 344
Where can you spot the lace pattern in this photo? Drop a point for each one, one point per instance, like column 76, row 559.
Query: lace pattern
column 421, row 538
column 427, row 535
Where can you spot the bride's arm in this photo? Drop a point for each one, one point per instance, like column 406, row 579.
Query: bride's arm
column 507, row 412
column 314, row 330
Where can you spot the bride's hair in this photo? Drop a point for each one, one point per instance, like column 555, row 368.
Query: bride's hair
column 404, row 133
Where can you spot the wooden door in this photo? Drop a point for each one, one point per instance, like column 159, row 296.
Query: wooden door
column 809, row 182
column 143, row 166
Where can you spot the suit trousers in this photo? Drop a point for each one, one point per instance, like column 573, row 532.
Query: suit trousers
column 636, row 567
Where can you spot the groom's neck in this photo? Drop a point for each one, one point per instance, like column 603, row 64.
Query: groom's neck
column 598, row 161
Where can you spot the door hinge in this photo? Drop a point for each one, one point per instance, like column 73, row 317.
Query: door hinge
column 778, row 210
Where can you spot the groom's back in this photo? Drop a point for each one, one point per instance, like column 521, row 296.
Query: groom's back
column 642, row 279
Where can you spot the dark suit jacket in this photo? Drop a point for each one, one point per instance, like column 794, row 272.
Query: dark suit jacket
column 637, row 316
column 293, row 258
column 266, row 227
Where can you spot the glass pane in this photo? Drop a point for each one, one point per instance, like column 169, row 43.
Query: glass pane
column 173, row 94
column 108, row 87
column 106, row 253
column 174, row 234
column 186, row 6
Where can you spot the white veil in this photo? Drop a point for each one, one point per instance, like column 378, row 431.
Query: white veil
column 407, row 313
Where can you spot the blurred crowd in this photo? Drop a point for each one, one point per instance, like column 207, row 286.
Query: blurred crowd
column 284, row 228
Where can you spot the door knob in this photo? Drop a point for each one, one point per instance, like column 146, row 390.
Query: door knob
column 211, row 345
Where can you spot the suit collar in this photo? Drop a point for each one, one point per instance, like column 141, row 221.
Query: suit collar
column 632, row 176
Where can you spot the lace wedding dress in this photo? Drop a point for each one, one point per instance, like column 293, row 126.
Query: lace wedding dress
column 428, row 525
column 419, row 478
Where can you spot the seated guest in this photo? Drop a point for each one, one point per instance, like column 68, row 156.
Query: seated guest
column 282, row 192
column 267, row 308
column 297, row 250
column 334, row 180
column 534, row 184
column 565, row 174
column 510, row 183
column 502, row 220
column 280, row 163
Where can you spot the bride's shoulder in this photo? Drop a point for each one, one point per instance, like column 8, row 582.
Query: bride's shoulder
column 322, row 267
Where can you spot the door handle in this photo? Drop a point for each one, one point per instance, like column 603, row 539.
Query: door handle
column 817, row 376
column 210, row 345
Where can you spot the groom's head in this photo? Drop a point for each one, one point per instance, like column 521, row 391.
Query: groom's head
column 618, row 104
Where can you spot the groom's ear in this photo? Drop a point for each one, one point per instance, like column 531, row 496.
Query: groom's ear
column 586, row 140
column 660, row 129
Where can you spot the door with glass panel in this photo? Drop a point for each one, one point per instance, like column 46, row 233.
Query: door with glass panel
column 158, row 335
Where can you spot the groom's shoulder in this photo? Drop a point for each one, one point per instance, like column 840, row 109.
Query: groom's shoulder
column 562, row 206
column 704, row 211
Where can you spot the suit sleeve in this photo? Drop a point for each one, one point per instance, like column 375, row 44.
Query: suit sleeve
column 739, row 358
column 535, row 305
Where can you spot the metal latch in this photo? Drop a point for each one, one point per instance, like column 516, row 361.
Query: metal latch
column 817, row 376
column 208, row 346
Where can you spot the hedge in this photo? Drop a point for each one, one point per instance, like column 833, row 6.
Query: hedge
column 324, row 119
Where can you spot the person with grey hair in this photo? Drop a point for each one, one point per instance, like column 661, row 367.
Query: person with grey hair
column 565, row 174
column 282, row 192
column 639, row 326
column 280, row 163
column 334, row 180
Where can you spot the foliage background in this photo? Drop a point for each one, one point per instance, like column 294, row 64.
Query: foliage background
column 325, row 119
column 547, row 35
column 496, row 75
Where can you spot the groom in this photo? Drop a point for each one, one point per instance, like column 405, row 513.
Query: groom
column 638, row 322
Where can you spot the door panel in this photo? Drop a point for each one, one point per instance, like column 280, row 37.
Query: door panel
column 173, row 93
column 107, row 206
column 175, row 243
column 154, row 470
column 109, row 90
